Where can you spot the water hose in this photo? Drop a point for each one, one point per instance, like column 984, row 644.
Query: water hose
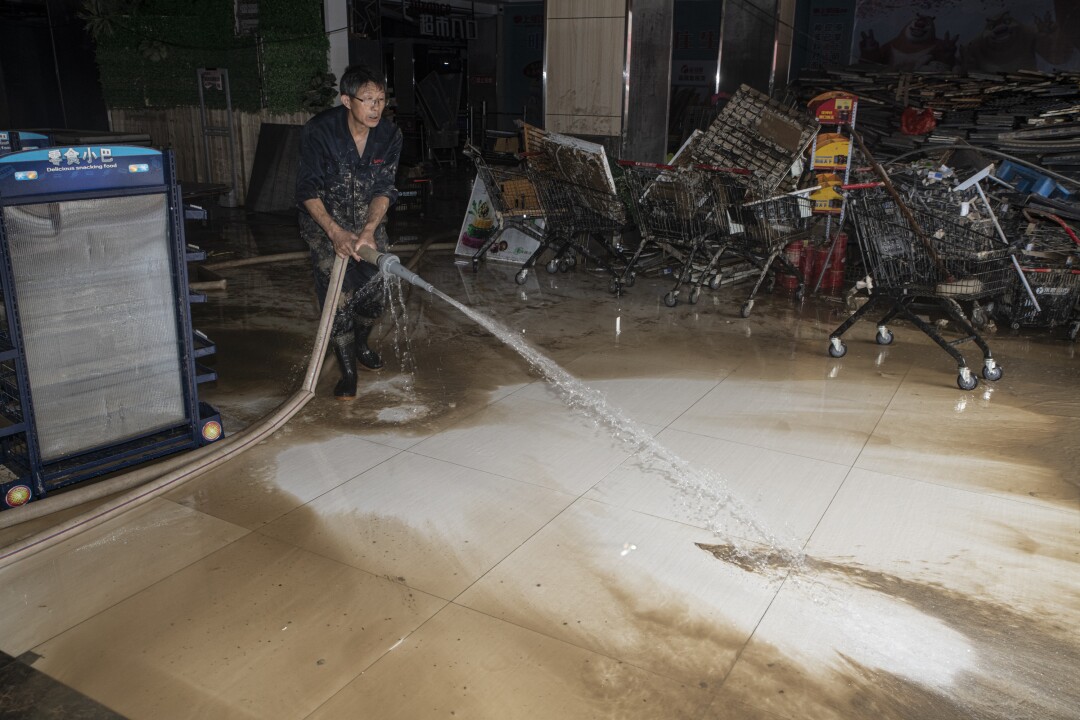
column 391, row 265
column 144, row 484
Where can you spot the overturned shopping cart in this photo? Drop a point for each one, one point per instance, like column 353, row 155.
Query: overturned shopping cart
column 580, row 204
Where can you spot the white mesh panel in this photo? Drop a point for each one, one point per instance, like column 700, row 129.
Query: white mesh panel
column 93, row 282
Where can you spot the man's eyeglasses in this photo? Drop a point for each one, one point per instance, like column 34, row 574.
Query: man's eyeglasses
column 370, row 102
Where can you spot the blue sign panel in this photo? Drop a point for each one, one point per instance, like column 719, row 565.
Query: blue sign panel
column 59, row 170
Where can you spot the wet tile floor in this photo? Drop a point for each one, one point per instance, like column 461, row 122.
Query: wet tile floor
column 458, row 542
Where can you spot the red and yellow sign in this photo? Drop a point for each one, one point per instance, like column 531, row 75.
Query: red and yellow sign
column 834, row 108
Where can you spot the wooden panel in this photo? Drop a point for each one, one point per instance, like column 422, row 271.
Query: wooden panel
column 585, row 67
column 585, row 124
column 181, row 130
column 585, row 8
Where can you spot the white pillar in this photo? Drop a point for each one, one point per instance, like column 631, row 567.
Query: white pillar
column 337, row 26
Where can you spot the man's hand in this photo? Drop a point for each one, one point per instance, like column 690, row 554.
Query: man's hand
column 367, row 237
column 346, row 244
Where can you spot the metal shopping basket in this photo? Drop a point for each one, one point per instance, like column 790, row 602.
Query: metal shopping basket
column 919, row 263
column 580, row 206
column 513, row 200
column 770, row 225
column 686, row 216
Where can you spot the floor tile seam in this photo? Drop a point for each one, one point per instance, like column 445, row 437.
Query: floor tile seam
column 988, row 494
column 592, row 651
column 753, row 632
column 345, row 563
column 690, row 406
column 851, row 467
column 810, row 535
column 579, row 498
column 341, row 484
column 683, row 523
column 374, row 662
column 761, row 447
column 517, row 547
column 500, row 476
column 157, row 582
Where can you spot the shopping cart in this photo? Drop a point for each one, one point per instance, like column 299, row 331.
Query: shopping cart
column 581, row 208
column 770, row 225
column 919, row 264
column 1050, row 259
column 512, row 198
column 686, row 216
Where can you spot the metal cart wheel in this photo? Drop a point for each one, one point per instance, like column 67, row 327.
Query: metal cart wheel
column 714, row 282
column 992, row 374
column 614, row 287
column 552, row 266
column 630, row 278
column 967, row 383
column 670, row 300
column 565, row 265
column 522, row 274
column 884, row 337
column 837, row 348
column 744, row 311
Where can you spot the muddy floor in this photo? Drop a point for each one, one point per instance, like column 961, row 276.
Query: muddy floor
column 741, row 527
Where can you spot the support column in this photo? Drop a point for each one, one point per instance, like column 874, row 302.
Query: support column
column 648, row 96
column 336, row 13
column 748, row 29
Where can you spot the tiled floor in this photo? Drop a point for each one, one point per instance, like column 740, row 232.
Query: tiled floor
column 459, row 543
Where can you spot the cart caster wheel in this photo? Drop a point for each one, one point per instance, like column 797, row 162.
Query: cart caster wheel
column 992, row 374
column 552, row 267
column 628, row 281
column 714, row 282
column 837, row 348
column 744, row 311
column 968, row 383
column 1015, row 326
column 979, row 318
column 1074, row 331
column 614, row 287
column 565, row 265
column 770, row 284
column 671, row 300
column 694, row 295
column 475, row 264
column 884, row 337
column 800, row 294
column 521, row 276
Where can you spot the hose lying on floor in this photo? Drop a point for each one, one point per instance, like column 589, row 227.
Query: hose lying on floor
column 140, row 486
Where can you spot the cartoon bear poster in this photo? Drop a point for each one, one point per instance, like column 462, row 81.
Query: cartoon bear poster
column 968, row 35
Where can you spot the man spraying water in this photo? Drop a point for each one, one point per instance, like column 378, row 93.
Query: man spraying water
column 345, row 184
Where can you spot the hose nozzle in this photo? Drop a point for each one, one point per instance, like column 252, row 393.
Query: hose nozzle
column 391, row 265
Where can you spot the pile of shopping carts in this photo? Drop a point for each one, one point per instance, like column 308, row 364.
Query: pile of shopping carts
column 947, row 255
column 726, row 201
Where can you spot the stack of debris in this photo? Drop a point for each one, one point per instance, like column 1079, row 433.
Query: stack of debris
column 1032, row 115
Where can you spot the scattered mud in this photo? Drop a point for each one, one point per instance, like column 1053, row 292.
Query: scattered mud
column 1024, row 662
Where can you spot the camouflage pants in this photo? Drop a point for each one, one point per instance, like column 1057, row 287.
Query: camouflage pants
column 361, row 300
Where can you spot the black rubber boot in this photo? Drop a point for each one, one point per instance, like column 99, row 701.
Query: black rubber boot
column 346, row 387
column 368, row 358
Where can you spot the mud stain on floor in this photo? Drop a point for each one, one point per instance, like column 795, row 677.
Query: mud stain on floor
column 1024, row 662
